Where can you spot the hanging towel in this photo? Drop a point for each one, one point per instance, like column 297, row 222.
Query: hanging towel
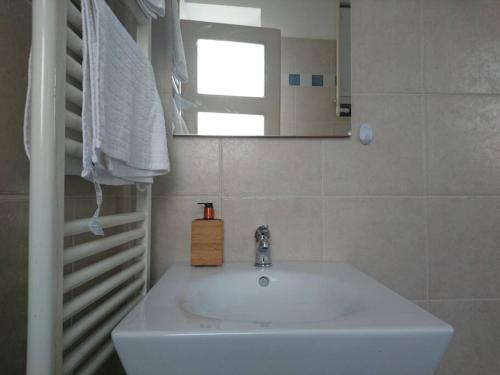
column 179, row 70
column 123, row 128
column 152, row 8
column 124, row 133
column 124, row 136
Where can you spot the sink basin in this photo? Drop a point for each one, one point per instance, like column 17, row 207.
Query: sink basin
column 294, row 318
column 290, row 296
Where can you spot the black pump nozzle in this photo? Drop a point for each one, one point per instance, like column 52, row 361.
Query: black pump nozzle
column 208, row 205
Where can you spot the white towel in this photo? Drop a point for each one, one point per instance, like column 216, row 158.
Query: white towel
column 124, row 137
column 152, row 8
column 123, row 128
column 179, row 70
column 123, row 125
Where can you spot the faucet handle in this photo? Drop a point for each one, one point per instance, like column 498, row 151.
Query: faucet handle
column 262, row 232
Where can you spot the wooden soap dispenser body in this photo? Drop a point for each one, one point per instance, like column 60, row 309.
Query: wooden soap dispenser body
column 207, row 239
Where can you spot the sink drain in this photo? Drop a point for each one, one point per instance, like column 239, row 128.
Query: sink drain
column 264, row 281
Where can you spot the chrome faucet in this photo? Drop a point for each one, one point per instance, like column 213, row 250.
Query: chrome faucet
column 263, row 246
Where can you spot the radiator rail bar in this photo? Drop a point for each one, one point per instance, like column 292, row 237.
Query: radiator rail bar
column 83, row 300
column 85, row 348
column 74, row 332
column 80, row 226
column 78, row 252
column 80, row 277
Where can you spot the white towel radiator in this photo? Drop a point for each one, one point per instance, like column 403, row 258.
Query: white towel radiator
column 69, row 329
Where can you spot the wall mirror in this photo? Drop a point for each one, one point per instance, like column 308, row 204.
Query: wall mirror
column 264, row 68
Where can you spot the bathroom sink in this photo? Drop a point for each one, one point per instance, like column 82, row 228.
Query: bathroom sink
column 294, row 318
column 289, row 297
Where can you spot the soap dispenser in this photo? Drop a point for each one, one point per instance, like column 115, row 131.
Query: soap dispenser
column 207, row 238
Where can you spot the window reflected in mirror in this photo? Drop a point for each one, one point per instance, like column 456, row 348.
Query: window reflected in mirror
column 213, row 123
column 230, row 68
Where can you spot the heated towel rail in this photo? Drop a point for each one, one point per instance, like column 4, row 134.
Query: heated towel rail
column 72, row 309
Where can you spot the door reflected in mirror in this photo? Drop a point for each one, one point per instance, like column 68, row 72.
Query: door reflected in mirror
column 264, row 68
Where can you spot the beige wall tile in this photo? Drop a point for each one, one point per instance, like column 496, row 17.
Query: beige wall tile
column 475, row 347
column 295, row 226
column 384, row 237
column 15, row 38
column 463, row 144
column 194, row 168
column 271, row 167
column 319, row 129
column 289, row 52
column 75, row 186
column 305, row 55
column 393, row 163
column 385, row 39
column 13, row 284
column 287, row 129
column 85, row 207
column 461, row 46
column 314, row 56
column 171, row 230
column 464, row 239
column 287, row 108
column 314, row 104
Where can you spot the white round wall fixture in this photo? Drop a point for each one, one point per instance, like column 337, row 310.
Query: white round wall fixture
column 365, row 134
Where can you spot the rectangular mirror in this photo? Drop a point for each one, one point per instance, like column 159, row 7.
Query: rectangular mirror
column 264, row 68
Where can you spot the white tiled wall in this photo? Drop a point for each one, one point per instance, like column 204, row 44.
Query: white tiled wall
column 418, row 209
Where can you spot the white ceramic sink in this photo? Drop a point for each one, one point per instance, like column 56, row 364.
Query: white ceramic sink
column 311, row 318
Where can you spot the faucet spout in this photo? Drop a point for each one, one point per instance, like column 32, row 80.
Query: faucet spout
column 263, row 246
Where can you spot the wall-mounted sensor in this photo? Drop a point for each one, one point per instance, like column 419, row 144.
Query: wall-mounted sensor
column 365, row 134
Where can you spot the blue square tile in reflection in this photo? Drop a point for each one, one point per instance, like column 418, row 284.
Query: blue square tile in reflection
column 317, row 80
column 294, row 79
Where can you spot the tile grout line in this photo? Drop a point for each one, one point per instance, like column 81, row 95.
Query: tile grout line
column 304, row 196
column 426, row 205
column 463, row 196
column 429, row 93
column 14, row 197
column 422, row 47
column 323, row 201
column 221, row 178
column 478, row 299
column 294, row 94
column 287, row 196
column 423, row 119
